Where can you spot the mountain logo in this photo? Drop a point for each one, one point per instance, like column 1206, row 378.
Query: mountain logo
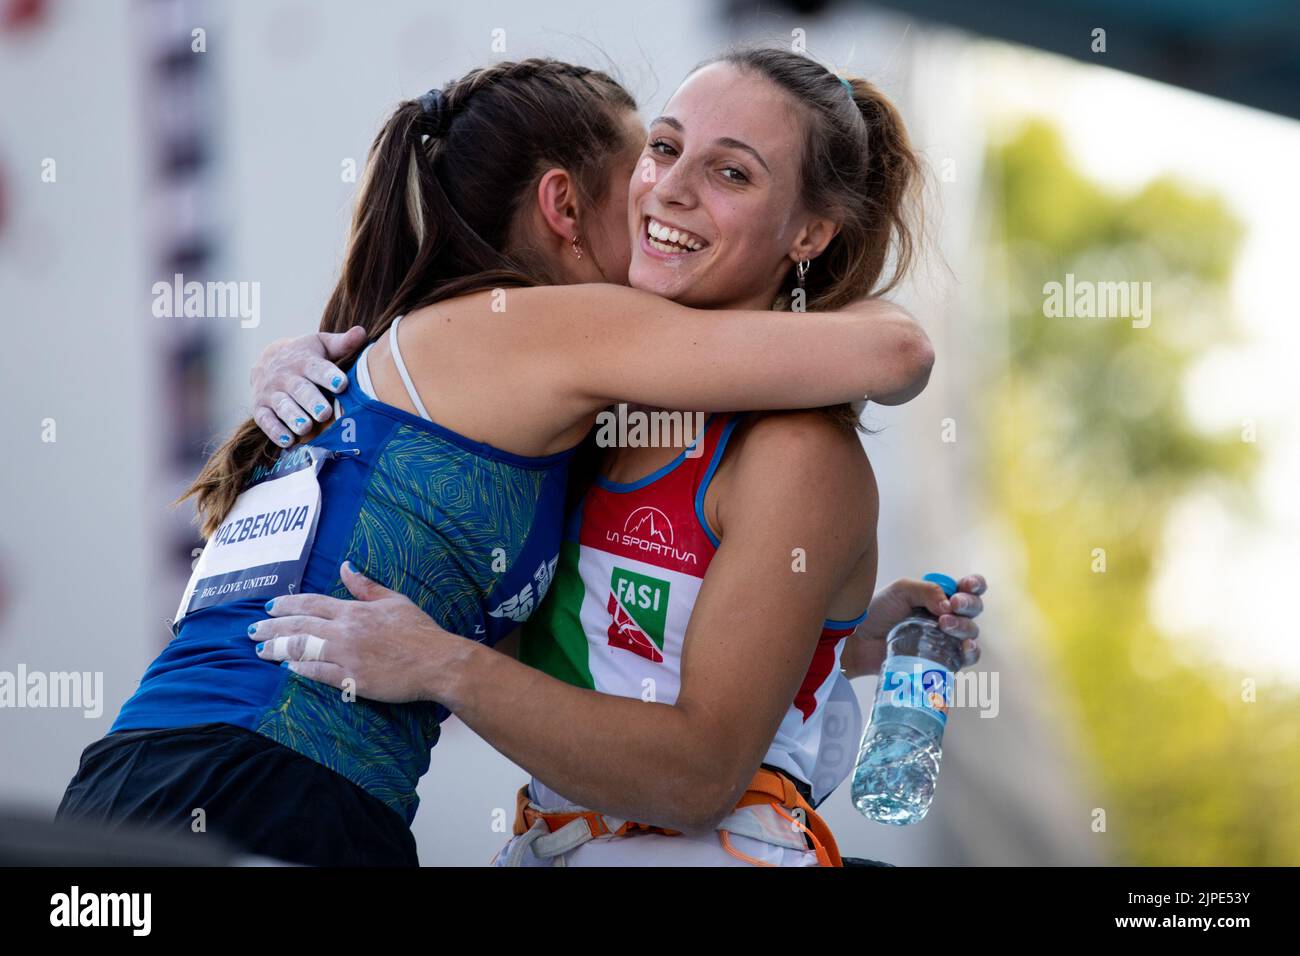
column 649, row 524
column 648, row 529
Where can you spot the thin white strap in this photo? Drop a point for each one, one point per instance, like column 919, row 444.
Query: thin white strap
column 401, row 370
column 363, row 372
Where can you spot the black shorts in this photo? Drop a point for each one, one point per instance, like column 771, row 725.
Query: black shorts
column 257, row 795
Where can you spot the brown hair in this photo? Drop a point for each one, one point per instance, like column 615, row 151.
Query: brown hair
column 859, row 169
column 436, row 213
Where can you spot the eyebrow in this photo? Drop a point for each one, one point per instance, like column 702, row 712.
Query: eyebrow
column 726, row 141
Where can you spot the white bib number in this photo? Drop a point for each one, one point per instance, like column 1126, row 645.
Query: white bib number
column 262, row 546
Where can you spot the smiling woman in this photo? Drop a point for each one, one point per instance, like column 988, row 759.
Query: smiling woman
column 684, row 667
column 439, row 482
column 711, row 200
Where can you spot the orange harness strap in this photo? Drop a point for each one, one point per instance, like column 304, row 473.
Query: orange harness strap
column 778, row 790
column 767, row 787
column 526, row 815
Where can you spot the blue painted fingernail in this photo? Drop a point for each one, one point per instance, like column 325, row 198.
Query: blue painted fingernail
column 337, row 381
column 284, row 663
column 319, row 409
column 284, row 439
column 252, row 629
column 260, row 646
column 268, row 605
column 300, row 421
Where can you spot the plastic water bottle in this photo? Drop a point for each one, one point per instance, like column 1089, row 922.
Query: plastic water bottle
column 898, row 763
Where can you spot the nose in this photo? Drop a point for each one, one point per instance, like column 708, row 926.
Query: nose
column 676, row 187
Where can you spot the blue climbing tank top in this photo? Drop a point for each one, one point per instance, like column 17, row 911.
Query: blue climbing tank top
column 467, row 531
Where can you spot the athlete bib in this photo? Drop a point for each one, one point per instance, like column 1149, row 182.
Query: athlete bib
column 262, row 546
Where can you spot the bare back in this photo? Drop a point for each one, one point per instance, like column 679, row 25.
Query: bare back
column 475, row 376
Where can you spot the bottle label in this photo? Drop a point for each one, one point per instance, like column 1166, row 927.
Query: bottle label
column 916, row 683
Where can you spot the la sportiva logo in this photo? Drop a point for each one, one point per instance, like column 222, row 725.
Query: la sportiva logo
column 638, row 610
column 648, row 529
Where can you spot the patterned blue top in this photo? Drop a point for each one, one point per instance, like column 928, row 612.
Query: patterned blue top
column 467, row 531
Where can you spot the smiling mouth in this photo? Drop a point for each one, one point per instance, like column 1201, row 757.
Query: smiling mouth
column 670, row 239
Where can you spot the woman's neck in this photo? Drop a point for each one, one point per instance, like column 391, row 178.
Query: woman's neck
column 758, row 302
column 654, row 438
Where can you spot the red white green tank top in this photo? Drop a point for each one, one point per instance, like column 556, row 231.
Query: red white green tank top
column 631, row 565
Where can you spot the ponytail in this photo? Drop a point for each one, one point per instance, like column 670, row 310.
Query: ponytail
column 893, row 178
column 445, row 178
column 383, row 245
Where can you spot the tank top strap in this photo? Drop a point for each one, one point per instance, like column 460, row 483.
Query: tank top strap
column 401, row 370
column 363, row 372
column 717, row 433
column 359, row 385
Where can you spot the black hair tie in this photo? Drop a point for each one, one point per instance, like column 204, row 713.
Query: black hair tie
column 434, row 105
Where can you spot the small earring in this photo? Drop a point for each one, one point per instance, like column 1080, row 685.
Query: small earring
column 577, row 246
column 801, row 270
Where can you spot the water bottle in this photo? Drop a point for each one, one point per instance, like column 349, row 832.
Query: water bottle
column 898, row 762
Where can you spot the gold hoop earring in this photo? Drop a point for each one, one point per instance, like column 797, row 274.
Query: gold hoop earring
column 801, row 270
column 577, row 246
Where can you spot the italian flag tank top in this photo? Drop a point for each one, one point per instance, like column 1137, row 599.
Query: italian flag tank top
column 632, row 561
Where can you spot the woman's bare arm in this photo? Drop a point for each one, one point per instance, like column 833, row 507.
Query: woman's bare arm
column 751, row 637
column 610, row 342
column 593, row 344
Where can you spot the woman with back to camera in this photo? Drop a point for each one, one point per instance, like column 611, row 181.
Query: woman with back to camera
column 445, row 477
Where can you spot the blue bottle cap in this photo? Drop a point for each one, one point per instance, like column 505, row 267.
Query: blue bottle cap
column 948, row 584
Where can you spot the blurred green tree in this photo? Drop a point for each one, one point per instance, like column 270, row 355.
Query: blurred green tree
column 1090, row 449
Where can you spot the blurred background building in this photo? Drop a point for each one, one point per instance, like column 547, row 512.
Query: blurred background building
column 1127, row 488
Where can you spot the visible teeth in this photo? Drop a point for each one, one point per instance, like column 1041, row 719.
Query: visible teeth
column 678, row 238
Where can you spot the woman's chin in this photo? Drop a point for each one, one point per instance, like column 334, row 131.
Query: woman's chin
column 660, row 279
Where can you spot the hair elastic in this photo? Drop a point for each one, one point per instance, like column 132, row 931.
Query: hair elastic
column 432, row 101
